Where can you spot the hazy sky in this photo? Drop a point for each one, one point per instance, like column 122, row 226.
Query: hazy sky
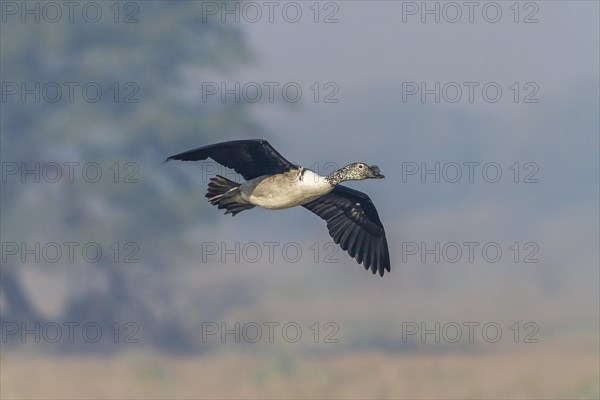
column 376, row 52
column 374, row 59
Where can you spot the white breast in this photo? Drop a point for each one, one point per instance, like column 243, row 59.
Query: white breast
column 285, row 190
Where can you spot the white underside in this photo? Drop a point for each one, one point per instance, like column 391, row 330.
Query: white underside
column 284, row 190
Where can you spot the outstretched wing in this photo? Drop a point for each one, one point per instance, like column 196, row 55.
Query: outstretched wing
column 249, row 158
column 354, row 224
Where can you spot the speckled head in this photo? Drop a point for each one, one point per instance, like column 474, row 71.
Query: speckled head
column 355, row 172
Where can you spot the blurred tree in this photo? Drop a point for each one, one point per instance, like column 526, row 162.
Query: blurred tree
column 154, row 62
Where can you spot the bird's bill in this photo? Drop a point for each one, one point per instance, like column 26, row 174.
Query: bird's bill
column 375, row 172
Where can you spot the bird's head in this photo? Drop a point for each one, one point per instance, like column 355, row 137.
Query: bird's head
column 356, row 172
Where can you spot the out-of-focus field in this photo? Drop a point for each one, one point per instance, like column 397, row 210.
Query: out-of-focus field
column 565, row 367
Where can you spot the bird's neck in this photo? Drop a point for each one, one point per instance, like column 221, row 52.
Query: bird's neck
column 337, row 177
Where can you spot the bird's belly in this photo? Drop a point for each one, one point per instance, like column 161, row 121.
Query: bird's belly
column 279, row 192
column 277, row 202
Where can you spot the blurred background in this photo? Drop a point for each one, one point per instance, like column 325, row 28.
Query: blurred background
column 119, row 280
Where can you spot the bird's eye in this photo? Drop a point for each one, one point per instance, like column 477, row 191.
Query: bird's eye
column 360, row 166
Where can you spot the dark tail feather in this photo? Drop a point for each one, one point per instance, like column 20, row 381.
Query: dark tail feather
column 219, row 186
column 235, row 208
column 219, row 190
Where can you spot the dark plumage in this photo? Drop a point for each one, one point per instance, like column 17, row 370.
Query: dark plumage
column 354, row 224
column 249, row 158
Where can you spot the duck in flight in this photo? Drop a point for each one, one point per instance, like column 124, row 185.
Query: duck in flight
column 272, row 182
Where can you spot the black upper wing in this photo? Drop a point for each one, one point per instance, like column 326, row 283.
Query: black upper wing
column 249, row 158
column 354, row 224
